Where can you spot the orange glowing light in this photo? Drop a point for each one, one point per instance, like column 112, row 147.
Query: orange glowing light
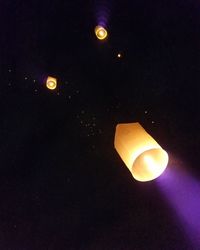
column 142, row 155
column 51, row 83
column 101, row 32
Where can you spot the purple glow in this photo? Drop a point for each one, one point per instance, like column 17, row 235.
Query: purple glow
column 102, row 18
column 182, row 191
column 102, row 13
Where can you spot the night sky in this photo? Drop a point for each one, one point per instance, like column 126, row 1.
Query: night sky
column 62, row 184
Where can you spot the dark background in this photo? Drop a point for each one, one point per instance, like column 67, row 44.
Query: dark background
column 62, row 184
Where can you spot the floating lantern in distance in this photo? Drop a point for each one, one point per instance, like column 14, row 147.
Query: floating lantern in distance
column 101, row 32
column 119, row 55
column 143, row 156
column 51, row 82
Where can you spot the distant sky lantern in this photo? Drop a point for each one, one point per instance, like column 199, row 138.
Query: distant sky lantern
column 51, row 82
column 101, row 32
column 143, row 156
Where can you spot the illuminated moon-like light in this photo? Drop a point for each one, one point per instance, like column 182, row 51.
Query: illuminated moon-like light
column 51, row 83
column 101, row 32
column 143, row 156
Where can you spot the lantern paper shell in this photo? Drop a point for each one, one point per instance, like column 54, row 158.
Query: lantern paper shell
column 101, row 32
column 143, row 156
column 51, row 83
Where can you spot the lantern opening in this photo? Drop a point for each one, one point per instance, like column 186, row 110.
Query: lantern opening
column 150, row 164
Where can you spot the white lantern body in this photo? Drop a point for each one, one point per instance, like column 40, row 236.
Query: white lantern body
column 143, row 156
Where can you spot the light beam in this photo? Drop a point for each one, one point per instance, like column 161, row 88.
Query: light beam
column 182, row 191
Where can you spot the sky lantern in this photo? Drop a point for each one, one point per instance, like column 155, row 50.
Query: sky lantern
column 101, row 32
column 51, row 83
column 143, row 156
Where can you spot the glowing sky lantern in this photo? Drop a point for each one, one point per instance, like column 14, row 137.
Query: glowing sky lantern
column 101, row 32
column 143, row 156
column 51, row 82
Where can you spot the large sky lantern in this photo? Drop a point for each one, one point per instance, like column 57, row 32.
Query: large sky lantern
column 101, row 32
column 51, row 83
column 143, row 156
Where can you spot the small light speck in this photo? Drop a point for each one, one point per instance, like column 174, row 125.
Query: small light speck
column 9, row 70
column 58, row 93
column 152, row 122
column 69, row 97
column 36, row 90
column 34, row 80
column 145, row 111
column 25, row 78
